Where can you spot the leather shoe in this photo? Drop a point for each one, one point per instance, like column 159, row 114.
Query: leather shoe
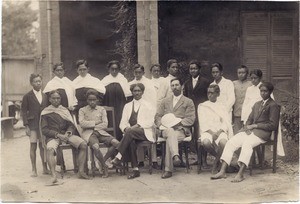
column 117, row 162
column 166, row 174
column 176, row 160
column 155, row 165
column 134, row 174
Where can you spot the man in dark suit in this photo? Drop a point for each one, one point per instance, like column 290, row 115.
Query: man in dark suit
column 32, row 104
column 184, row 113
column 195, row 88
column 263, row 119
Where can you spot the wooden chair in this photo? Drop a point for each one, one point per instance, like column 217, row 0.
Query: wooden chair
column 260, row 149
column 111, row 129
column 183, row 146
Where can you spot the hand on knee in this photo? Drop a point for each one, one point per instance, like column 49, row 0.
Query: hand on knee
column 115, row 142
column 95, row 146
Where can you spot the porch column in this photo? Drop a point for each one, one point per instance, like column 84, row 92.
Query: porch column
column 49, row 38
column 147, row 34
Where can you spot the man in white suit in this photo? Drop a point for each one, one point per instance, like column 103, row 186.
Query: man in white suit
column 137, row 125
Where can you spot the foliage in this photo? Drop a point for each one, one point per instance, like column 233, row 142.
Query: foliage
column 18, row 30
column 290, row 117
column 125, row 19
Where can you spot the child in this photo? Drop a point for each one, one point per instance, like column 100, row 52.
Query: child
column 93, row 121
column 32, row 104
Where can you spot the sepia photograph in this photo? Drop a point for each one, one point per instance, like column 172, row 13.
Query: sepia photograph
column 149, row 101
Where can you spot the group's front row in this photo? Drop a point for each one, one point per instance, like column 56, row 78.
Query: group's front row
column 139, row 119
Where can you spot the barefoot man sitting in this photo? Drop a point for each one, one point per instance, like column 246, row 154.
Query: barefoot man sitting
column 263, row 119
column 57, row 126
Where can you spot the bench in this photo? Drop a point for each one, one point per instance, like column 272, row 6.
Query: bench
column 7, row 127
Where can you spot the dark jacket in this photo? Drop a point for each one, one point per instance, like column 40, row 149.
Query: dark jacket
column 267, row 119
column 31, row 109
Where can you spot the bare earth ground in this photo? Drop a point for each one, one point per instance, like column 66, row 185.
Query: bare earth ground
column 17, row 185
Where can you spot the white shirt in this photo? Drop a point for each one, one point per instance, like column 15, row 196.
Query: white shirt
column 176, row 99
column 194, row 81
column 227, row 97
column 164, row 89
column 136, row 105
column 38, row 95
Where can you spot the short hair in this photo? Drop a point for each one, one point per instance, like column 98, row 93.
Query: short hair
column 116, row 62
column 218, row 65
column 268, row 85
column 177, row 79
column 60, row 64
column 91, row 92
column 137, row 66
column 170, row 62
column 142, row 87
column 53, row 92
column 243, row 67
column 33, row 76
column 215, row 87
column 81, row 62
column 196, row 62
column 257, row 72
column 154, row 65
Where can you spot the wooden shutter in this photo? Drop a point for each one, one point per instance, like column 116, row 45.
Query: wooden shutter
column 255, row 33
column 282, row 45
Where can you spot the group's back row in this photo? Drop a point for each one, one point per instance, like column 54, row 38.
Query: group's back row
column 236, row 100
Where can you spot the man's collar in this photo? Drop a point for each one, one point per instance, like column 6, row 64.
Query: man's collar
column 90, row 108
column 177, row 96
column 36, row 92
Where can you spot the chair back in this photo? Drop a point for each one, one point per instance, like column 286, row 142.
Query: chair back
column 111, row 128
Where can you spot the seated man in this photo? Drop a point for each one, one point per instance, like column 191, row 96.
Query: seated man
column 137, row 124
column 57, row 126
column 215, row 127
column 184, row 109
column 93, row 121
column 263, row 119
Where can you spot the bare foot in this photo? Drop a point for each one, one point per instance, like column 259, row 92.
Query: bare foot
column 34, row 174
column 218, row 176
column 238, row 179
column 215, row 166
column 83, row 176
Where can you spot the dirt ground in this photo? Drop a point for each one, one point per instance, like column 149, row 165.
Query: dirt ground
column 17, row 185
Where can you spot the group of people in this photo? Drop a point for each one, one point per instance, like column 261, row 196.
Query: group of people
column 221, row 115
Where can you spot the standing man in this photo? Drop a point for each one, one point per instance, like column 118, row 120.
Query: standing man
column 263, row 119
column 155, row 76
column 32, row 104
column 184, row 111
column 165, row 88
column 195, row 88
column 226, row 88
column 57, row 125
column 240, row 87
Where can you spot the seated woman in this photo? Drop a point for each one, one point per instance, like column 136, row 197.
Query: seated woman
column 117, row 92
column 63, row 85
column 93, row 121
column 57, row 125
column 84, row 82
column 263, row 119
column 136, row 123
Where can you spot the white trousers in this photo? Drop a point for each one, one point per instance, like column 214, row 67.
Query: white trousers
column 246, row 142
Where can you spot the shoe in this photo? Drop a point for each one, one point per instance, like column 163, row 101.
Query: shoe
column 83, row 176
column 155, row 165
column 117, row 163
column 141, row 164
column 166, row 174
column 176, row 160
column 134, row 174
column 105, row 172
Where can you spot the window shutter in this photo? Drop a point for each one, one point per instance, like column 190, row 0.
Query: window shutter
column 255, row 41
column 282, row 45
